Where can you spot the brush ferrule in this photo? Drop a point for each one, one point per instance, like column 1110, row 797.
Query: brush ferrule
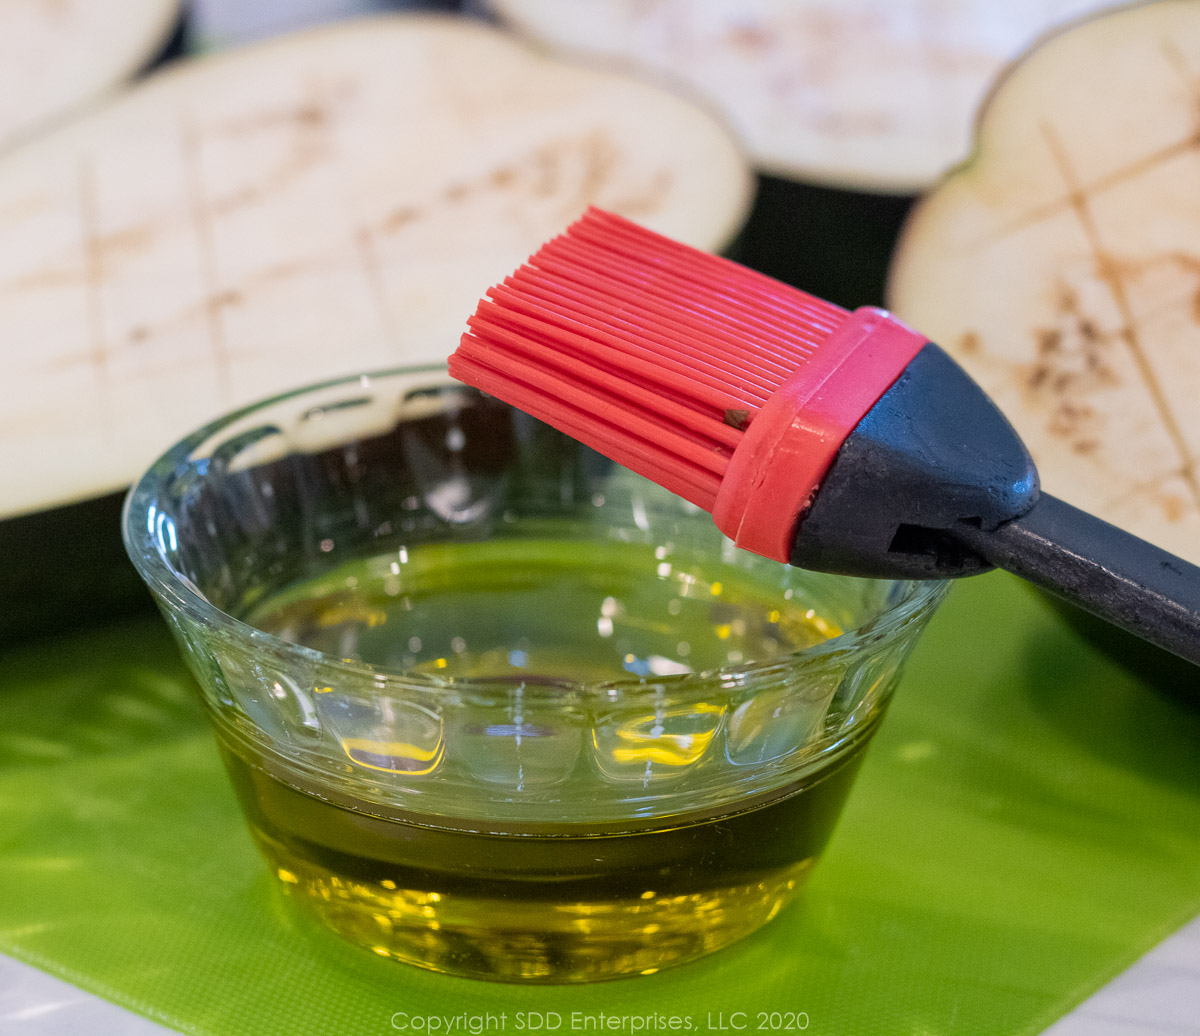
column 792, row 440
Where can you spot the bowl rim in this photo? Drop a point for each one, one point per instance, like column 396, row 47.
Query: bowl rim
column 139, row 537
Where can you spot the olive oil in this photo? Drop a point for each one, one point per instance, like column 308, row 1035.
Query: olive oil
column 550, row 899
column 555, row 903
column 575, row 610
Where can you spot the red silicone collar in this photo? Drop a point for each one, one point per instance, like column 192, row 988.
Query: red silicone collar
column 791, row 442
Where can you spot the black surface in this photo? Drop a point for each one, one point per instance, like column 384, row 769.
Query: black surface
column 835, row 244
column 175, row 45
column 66, row 567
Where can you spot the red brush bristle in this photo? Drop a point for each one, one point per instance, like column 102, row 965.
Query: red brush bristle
column 653, row 353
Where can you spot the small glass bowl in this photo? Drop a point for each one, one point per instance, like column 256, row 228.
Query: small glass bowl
column 493, row 705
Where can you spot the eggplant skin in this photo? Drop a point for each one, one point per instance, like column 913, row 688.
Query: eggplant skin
column 66, row 568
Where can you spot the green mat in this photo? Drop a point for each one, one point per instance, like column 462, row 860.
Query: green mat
column 1026, row 824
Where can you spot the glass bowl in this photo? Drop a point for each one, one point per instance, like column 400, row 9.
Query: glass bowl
column 493, row 705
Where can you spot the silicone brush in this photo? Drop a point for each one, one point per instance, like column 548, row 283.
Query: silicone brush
column 838, row 441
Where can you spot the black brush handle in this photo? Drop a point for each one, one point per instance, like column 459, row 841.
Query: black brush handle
column 933, row 483
column 1101, row 568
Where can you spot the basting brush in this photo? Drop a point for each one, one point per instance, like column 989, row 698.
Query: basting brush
column 834, row 440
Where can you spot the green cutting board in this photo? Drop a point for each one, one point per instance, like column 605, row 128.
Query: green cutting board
column 1026, row 824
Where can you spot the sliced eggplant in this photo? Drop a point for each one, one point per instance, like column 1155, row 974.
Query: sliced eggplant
column 877, row 97
column 325, row 203
column 1061, row 265
column 57, row 55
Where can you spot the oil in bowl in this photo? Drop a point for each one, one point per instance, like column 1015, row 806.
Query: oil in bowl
column 497, row 709
column 569, row 609
column 557, row 900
